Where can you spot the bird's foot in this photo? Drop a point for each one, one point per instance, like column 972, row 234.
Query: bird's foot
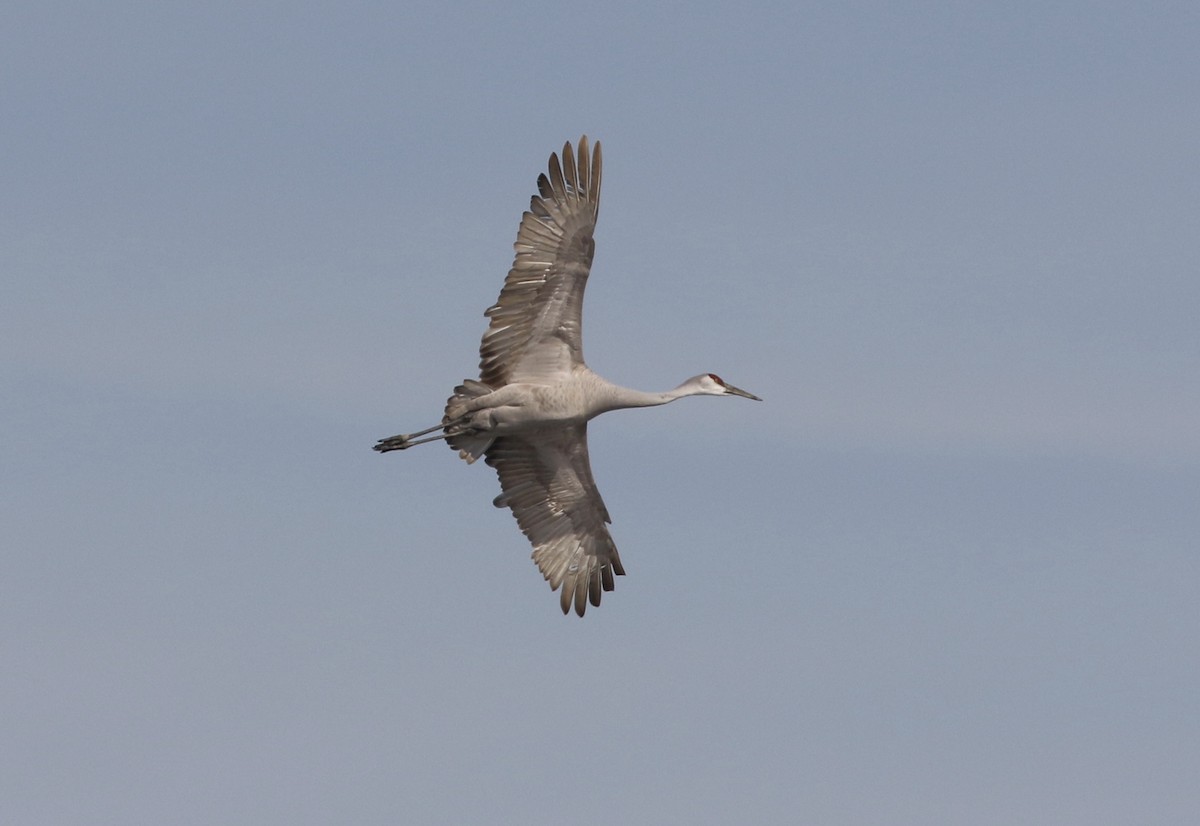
column 393, row 443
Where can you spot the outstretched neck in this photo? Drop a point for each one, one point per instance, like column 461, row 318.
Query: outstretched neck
column 614, row 397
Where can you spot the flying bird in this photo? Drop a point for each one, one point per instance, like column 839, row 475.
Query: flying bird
column 527, row 413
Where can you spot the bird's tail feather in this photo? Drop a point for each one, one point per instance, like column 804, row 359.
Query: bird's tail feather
column 470, row 444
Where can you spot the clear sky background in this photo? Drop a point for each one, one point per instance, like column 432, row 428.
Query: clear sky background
column 946, row 573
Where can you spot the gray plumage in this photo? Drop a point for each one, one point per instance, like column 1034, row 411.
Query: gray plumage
column 528, row 412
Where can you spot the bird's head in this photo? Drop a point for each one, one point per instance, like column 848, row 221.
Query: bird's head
column 710, row 384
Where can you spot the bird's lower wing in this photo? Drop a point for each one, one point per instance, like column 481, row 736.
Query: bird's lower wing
column 547, row 481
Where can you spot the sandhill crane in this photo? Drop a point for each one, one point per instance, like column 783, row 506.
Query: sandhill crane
column 529, row 410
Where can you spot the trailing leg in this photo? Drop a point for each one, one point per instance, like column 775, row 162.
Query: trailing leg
column 407, row 440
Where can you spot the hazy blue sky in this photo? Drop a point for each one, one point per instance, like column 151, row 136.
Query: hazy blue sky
column 945, row 574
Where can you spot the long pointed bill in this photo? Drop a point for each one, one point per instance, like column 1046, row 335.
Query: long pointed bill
column 737, row 391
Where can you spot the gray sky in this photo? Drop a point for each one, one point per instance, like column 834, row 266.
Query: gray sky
column 944, row 574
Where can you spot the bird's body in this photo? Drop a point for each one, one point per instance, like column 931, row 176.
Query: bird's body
column 528, row 411
column 579, row 396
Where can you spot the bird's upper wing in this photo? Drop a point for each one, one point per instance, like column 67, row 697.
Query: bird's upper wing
column 535, row 331
column 547, row 482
